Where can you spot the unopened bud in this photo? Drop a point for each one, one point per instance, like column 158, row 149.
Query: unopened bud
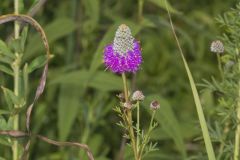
column 155, row 105
column 138, row 96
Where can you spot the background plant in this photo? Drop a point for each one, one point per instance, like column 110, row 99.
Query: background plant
column 225, row 118
column 77, row 32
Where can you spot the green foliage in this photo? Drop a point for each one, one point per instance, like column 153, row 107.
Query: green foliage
column 77, row 103
column 170, row 126
column 226, row 116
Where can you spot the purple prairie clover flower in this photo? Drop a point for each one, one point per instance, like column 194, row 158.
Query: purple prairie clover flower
column 124, row 54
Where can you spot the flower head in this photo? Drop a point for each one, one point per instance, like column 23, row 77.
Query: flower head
column 138, row 96
column 124, row 54
column 217, row 46
column 155, row 105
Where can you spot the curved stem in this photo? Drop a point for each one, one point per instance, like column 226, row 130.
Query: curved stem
column 202, row 120
column 129, row 118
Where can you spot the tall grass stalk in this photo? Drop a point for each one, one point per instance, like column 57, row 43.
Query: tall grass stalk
column 203, row 124
column 237, row 133
column 16, row 66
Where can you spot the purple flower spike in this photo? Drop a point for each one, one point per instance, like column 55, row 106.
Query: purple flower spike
column 124, row 54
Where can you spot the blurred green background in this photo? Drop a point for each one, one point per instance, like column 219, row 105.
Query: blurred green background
column 79, row 97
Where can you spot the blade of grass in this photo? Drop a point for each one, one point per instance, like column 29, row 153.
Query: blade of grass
column 203, row 124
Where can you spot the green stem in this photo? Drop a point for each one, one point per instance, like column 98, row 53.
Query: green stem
column 129, row 118
column 237, row 133
column 16, row 81
column 16, row 117
column 138, row 126
column 125, row 87
column 225, row 132
column 220, row 65
column 140, row 10
column 145, row 141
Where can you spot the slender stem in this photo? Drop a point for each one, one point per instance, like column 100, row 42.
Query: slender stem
column 151, row 122
column 140, row 10
column 220, row 65
column 129, row 118
column 225, row 132
column 16, row 25
column 145, row 141
column 125, row 87
column 237, row 133
column 16, row 117
column 16, row 81
column 138, row 126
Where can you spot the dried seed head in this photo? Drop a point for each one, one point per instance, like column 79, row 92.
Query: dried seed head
column 127, row 105
column 155, row 105
column 123, row 40
column 217, row 47
column 138, row 96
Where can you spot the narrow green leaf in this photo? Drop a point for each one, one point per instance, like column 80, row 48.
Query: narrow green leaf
column 11, row 98
column 4, row 112
column 3, row 123
column 21, row 5
column 101, row 80
column 15, row 45
column 24, row 37
column 199, row 108
column 25, row 79
column 68, row 105
column 92, row 8
column 203, row 123
column 4, row 126
column 54, row 31
column 5, row 50
column 6, row 69
column 161, row 4
column 4, row 141
column 38, row 62
column 8, row 100
column 5, row 59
